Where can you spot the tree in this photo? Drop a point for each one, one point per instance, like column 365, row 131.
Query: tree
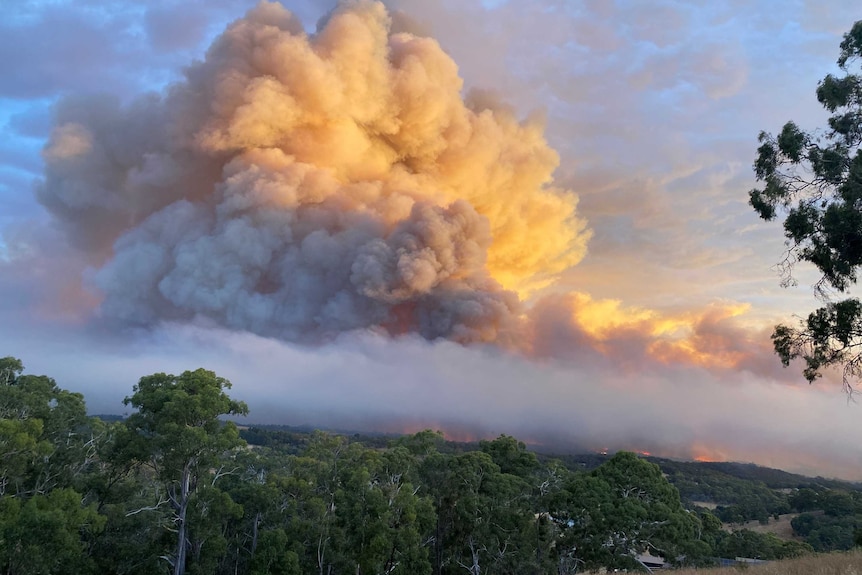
column 44, row 436
column 177, row 432
column 379, row 517
column 753, row 545
column 354, row 509
column 47, row 534
column 815, row 180
column 511, row 455
column 621, row 509
column 45, row 449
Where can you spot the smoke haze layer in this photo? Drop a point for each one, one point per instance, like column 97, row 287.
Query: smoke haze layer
column 301, row 185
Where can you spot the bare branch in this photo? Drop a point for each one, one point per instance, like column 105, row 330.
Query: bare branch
column 148, row 508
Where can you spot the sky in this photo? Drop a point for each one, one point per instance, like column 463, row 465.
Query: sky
column 522, row 217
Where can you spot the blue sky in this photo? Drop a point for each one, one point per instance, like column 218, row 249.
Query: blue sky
column 654, row 108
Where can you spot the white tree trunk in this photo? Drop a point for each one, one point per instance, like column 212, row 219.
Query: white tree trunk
column 182, row 532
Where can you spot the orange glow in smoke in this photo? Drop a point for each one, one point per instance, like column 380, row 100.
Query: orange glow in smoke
column 705, row 337
column 402, row 318
column 708, row 453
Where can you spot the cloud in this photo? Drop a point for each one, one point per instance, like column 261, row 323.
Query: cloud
column 87, row 46
column 32, row 122
column 661, row 24
column 175, row 27
column 78, row 49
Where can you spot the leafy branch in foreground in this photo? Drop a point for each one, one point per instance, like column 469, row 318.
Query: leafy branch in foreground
column 815, row 180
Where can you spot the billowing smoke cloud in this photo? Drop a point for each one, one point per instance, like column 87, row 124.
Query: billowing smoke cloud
column 301, row 185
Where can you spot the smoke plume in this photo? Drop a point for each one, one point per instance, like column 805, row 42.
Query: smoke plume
column 300, row 185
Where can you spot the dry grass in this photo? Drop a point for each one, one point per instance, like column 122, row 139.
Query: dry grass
column 780, row 528
column 849, row 563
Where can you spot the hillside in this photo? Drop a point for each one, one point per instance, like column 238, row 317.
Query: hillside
column 780, row 527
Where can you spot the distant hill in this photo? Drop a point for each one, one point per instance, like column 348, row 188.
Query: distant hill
column 775, row 478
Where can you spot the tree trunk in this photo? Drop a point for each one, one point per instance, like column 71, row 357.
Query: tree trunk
column 257, row 518
column 182, row 534
column 474, row 555
column 321, row 545
column 390, row 563
column 438, row 547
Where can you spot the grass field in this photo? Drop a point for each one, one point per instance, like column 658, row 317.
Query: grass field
column 849, row 563
column 781, row 527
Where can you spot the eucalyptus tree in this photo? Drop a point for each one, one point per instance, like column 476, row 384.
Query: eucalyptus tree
column 45, row 451
column 177, row 433
column 45, row 438
column 813, row 179
column 355, row 509
column 48, row 534
column 620, row 510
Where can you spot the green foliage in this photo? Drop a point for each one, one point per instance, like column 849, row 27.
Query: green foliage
column 829, row 336
column 177, row 421
column 177, row 433
column 285, row 441
column 378, row 515
column 624, row 508
column 10, row 369
column 815, row 180
column 422, row 443
column 273, row 555
column 511, row 456
column 23, row 449
column 753, row 545
column 340, row 507
column 738, row 499
column 805, row 499
column 831, row 521
column 44, row 435
column 47, row 534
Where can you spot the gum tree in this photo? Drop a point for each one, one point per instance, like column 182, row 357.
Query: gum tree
column 813, row 180
column 176, row 431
